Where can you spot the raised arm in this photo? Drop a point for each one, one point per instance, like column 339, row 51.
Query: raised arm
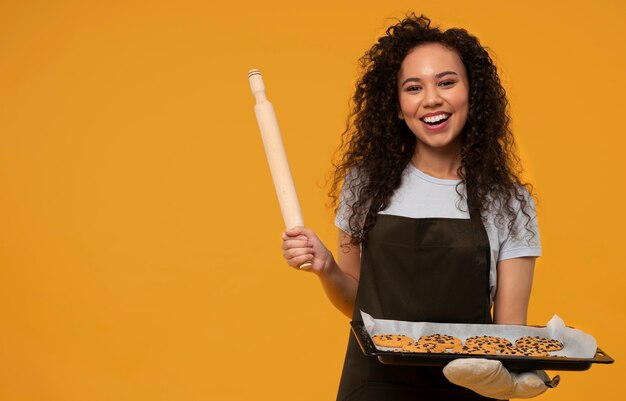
column 300, row 245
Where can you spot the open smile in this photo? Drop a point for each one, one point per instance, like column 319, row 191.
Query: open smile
column 435, row 121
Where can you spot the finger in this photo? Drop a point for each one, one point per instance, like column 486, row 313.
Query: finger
column 306, row 266
column 297, row 252
column 300, row 260
column 297, row 231
column 289, row 244
column 286, row 237
column 294, row 231
column 298, row 238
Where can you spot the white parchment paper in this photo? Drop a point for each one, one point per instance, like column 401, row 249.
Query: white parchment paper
column 576, row 344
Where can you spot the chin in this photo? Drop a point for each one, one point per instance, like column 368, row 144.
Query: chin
column 440, row 143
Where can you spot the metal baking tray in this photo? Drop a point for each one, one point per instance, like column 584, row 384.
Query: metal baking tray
column 441, row 359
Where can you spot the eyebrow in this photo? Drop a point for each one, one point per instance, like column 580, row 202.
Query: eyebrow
column 441, row 74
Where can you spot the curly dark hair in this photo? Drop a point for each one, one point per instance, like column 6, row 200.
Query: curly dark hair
column 379, row 145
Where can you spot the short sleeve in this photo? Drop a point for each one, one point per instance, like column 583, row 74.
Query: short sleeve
column 348, row 196
column 342, row 217
column 526, row 241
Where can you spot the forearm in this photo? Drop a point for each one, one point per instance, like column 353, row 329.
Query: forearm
column 515, row 280
column 340, row 288
column 301, row 245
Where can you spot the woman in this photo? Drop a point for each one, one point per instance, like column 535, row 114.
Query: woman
column 434, row 221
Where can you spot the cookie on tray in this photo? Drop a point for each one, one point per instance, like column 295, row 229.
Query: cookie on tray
column 459, row 349
column 391, row 340
column 512, row 351
column 493, row 342
column 540, row 343
column 472, row 349
column 481, row 350
column 441, row 341
column 522, row 351
column 414, row 346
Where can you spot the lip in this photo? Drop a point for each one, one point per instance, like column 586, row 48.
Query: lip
column 436, row 127
column 436, row 113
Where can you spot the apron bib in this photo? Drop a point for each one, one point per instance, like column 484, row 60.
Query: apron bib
column 424, row 270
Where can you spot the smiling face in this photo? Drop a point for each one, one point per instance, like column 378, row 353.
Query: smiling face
column 433, row 92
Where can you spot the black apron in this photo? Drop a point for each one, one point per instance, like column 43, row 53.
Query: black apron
column 423, row 270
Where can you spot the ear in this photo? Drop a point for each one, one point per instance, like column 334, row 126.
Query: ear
column 400, row 115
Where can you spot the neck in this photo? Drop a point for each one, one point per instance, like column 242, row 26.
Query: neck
column 438, row 163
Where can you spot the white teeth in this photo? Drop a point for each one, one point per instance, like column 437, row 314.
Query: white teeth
column 434, row 119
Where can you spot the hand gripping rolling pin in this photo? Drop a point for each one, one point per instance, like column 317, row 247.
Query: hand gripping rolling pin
column 276, row 156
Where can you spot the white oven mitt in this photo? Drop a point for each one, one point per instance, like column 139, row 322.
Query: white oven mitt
column 490, row 379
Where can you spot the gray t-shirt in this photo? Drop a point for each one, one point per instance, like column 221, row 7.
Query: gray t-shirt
column 423, row 196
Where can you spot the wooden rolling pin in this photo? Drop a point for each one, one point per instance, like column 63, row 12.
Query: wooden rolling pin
column 276, row 156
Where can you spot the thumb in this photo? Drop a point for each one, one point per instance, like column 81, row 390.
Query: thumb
column 294, row 231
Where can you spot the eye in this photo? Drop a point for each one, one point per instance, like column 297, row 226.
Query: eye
column 413, row 88
column 447, row 83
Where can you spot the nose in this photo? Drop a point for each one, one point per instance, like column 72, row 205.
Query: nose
column 432, row 98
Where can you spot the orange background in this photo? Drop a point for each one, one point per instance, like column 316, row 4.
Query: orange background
column 139, row 230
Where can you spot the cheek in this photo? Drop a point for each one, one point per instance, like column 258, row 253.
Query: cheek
column 462, row 111
column 407, row 104
column 462, row 108
column 401, row 102
column 464, row 102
